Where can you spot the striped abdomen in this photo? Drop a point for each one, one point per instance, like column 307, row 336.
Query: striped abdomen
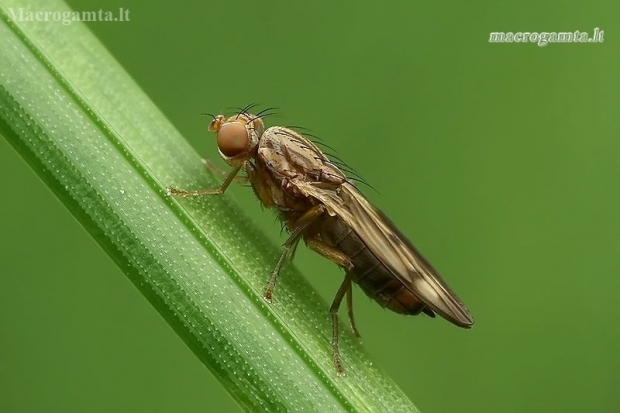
column 368, row 272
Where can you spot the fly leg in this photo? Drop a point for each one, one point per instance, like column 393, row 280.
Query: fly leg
column 331, row 253
column 335, row 255
column 213, row 191
column 214, row 168
column 291, row 243
column 356, row 332
column 289, row 246
column 344, row 287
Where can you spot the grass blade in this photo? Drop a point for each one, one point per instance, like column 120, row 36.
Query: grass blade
column 108, row 153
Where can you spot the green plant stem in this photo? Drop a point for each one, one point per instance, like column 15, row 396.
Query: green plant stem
column 108, row 153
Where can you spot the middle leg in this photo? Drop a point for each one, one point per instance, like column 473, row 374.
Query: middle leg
column 291, row 243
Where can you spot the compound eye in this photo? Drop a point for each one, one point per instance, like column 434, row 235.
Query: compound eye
column 232, row 139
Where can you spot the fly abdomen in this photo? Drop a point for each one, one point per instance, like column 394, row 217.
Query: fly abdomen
column 368, row 272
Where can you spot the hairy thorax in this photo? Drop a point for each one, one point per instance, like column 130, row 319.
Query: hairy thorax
column 283, row 157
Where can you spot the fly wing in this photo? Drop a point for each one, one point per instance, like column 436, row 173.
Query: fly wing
column 391, row 247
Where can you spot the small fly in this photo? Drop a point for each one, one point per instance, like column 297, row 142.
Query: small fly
column 318, row 203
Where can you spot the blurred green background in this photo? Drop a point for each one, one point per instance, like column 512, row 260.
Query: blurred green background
column 500, row 161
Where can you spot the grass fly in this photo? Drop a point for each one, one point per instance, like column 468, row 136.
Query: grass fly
column 318, row 203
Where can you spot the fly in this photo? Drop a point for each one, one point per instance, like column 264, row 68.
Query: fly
column 317, row 203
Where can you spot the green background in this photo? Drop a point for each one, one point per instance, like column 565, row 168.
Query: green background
column 500, row 161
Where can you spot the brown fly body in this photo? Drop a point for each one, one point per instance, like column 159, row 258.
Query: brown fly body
column 319, row 204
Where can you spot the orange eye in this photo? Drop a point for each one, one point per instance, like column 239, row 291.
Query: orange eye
column 232, row 139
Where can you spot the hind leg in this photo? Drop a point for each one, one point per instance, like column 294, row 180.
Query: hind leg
column 342, row 291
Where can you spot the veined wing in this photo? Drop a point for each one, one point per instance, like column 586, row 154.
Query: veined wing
column 391, row 247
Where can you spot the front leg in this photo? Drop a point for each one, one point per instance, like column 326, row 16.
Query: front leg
column 208, row 163
column 212, row 191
